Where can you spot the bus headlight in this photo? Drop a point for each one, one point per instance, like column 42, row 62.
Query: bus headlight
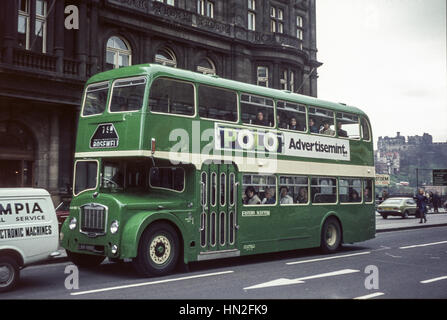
column 73, row 223
column 114, row 226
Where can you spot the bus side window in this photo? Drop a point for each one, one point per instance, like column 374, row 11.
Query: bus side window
column 365, row 129
column 350, row 190
column 257, row 110
column 368, row 190
column 324, row 190
column 321, row 121
column 348, row 125
column 171, row 96
column 255, row 187
column 291, row 116
column 216, row 103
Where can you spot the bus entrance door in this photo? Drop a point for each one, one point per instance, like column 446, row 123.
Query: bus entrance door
column 218, row 220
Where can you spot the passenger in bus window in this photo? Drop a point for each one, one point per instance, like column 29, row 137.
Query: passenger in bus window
column 269, row 196
column 312, row 126
column 340, row 131
column 285, row 198
column 367, row 194
column 260, row 121
column 280, row 123
column 302, row 195
column 326, row 130
column 354, row 196
column 294, row 125
column 251, row 197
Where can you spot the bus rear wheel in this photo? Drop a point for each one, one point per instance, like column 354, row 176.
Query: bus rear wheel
column 158, row 251
column 330, row 235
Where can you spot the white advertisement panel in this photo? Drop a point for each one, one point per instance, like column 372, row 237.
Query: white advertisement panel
column 313, row 146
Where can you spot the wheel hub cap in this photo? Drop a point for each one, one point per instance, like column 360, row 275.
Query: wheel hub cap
column 160, row 249
column 5, row 274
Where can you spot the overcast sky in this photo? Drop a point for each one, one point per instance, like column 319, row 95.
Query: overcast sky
column 387, row 57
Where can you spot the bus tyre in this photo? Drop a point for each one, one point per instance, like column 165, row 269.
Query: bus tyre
column 158, row 251
column 330, row 235
column 84, row 260
column 9, row 273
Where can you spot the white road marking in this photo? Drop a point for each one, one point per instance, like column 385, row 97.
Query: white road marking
column 285, row 281
column 434, row 279
column 423, row 245
column 369, row 296
column 329, row 258
column 150, row 283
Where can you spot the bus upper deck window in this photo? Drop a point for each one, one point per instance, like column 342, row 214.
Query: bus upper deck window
column 171, row 96
column 257, row 110
column 348, row 125
column 365, row 129
column 95, row 99
column 127, row 94
column 216, row 103
column 321, row 121
column 291, row 116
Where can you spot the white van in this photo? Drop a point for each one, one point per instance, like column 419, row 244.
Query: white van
column 28, row 231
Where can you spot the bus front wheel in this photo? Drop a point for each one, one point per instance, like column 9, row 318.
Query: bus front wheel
column 158, row 251
column 330, row 235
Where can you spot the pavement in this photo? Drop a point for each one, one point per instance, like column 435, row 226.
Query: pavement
column 382, row 225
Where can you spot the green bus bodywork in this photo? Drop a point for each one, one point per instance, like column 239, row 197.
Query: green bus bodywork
column 259, row 230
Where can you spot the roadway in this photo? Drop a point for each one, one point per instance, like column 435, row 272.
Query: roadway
column 405, row 264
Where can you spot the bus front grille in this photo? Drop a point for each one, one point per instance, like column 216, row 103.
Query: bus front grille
column 93, row 220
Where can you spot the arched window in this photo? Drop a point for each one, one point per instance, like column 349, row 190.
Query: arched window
column 166, row 57
column 119, row 53
column 206, row 66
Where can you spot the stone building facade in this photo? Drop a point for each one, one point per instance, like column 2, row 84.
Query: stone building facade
column 49, row 48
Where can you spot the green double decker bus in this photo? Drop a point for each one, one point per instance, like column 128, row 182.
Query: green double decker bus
column 174, row 166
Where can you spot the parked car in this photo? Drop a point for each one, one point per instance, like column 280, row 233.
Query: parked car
column 403, row 207
column 28, row 231
column 62, row 212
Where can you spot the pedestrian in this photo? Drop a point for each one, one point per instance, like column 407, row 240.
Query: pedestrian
column 421, row 201
column 436, row 202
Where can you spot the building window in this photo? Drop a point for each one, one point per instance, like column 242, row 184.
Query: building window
column 251, row 15
column 276, row 20
column 40, row 27
column 299, row 27
column 38, row 43
column 166, row 57
column 168, row 2
column 119, row 53
column 206, row 66
column 23, row 24
column 287, row 80
column 205, row 8
column 262, row 76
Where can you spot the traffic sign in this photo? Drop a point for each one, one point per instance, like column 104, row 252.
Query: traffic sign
column 440, row 177
column 382, row 180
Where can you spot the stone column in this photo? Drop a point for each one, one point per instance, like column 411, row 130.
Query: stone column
column 59, row 31
column 81, row 40
column 94, row 40
column 53, row 157
column 9, row 29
